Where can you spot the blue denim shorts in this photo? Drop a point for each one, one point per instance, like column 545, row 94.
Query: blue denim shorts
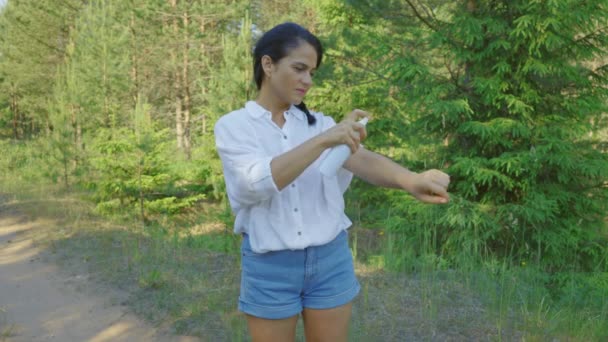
column 277, row 285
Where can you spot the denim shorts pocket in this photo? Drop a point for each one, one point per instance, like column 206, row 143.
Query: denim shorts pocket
column 247, row 251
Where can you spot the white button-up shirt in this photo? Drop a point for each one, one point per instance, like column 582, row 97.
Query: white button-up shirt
column 307, row 212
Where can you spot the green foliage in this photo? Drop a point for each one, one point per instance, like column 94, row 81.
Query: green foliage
column 33, row 45
column 73, row 72
column 97, row 59
column 62, row 152
column 23, row 165
column 513, row 103
column 230, row 86
column 133, row 173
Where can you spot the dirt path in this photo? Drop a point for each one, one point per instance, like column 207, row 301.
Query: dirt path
column 40, row 302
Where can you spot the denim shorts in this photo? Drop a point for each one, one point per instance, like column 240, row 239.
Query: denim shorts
column 280, row 284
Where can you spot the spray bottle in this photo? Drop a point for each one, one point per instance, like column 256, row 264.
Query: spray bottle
column 336, row 157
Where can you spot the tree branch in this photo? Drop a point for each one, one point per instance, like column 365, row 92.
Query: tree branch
column 420, row 17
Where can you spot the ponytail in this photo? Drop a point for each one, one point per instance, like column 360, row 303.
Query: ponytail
column 311, row 119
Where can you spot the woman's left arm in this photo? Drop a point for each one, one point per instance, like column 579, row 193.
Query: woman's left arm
column 429, row 186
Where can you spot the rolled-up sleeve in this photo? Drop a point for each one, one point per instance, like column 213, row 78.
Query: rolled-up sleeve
column 343, row 177
column 246, row 169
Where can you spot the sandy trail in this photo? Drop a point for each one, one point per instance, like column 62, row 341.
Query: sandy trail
column 40, row 302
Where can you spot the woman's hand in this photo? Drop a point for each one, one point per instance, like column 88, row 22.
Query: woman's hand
column 348, row 131
column 429, row 186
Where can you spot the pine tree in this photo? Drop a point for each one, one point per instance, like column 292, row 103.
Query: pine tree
column 33, row 44
column 133, row 175
column 62, row 146
column 228, row 87
column 101, row 61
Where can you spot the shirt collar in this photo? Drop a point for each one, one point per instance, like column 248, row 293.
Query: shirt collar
column 257, row 111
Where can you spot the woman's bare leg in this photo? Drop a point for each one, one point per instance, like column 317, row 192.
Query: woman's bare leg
column 327, row 325
column 263, row 330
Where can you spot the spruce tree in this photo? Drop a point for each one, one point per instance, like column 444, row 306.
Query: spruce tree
column 516, row 102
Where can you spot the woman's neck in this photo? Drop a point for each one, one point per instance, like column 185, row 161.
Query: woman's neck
column 274, row 105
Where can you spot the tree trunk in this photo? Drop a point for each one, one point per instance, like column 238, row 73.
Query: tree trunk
column 202, row 60
column 179, row 124
column 142, row 208
column 134, row 60
column 471, row 7
column 77, row 132
column 106, row 106
column 66, row 181
column 187, row 105
column 79, row 142
column 15, row 109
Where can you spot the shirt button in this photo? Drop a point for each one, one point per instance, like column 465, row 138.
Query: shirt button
column 293, row 185
column 285, row 137
column 295, row 209
column 299, row 233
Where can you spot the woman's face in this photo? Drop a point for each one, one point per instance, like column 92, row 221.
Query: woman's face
column 291, row 77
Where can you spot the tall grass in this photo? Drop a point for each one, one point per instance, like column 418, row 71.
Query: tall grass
column 521, row 299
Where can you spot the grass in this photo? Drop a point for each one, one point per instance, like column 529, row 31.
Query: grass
column 7, row 330
column 184, row 273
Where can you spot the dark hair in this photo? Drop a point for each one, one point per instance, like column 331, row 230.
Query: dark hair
column 276, row 44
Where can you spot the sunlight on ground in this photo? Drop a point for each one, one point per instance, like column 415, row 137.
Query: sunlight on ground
column 112, row 332
column 13, row 225
column 15, row 248
column 206, row 228
column 364, row 270
column 16, row 252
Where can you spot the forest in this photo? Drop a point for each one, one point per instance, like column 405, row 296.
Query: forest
column 107, row 109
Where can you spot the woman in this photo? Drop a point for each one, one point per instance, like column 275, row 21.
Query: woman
column 295, row 255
